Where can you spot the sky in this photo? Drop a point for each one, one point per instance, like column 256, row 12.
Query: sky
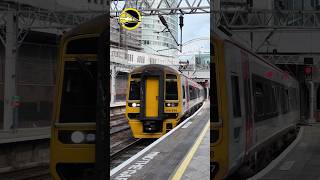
column 196, row 26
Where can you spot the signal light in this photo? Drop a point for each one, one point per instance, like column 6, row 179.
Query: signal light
column 308, row 72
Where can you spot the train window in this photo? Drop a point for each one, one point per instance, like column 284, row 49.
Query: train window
column 235, row 96
column 273, row 100
column 287, row 99
column 134, row 93
column 214, row 110
column 136, row 75
column 171, row 76
column 171, row 90
column 183, row 93
column 192, row 93
column 284, row 100
column 267, row 98
column 259, row 98
column 79, row 92
column 318, row 98
column 83, row 46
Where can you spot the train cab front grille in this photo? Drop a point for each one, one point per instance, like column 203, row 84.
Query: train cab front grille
column 71, row 171
column 152, row 126
column 133, row 115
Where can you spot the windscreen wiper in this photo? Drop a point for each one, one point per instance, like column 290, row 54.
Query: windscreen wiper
column 84, row 67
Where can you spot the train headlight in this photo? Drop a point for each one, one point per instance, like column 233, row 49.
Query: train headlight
column 171, row 104
column 91, row 137
column 77, row 137
column 134, row 105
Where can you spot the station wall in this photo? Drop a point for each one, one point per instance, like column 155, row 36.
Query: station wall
column 35, row 70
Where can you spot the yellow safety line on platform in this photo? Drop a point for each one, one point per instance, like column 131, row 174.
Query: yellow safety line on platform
column 190, row 154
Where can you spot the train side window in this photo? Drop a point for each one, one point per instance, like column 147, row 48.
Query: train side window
column 287, row 100
column 267, row 98
column 318, row 97
column 183, row 93
column 171, row 90
column 259, row 98
column 284, row 100
column 235, row 96
column 273, row 99
column 192, row 93
column 134, row 93
column 213, row 95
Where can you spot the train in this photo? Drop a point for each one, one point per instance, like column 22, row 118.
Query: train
column 76, row 101
column 254, row 109
column 158, row 98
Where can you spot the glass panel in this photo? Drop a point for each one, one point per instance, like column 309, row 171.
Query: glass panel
column 235, row 96
column 79, row 92
column 171, row 90
column 121, row 87
column 134, row 93
column 35, row 85
column 83, row 46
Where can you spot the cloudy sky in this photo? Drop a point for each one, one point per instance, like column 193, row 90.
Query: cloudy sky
column 196, row 26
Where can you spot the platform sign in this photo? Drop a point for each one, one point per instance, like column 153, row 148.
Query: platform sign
column 15, row 101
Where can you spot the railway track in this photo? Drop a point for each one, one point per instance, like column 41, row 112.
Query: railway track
column 128, row 150
column 118, row 123
column 32, row 173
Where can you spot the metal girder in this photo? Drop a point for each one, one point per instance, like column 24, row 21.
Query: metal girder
column 267, row 19
column 163, row 7
column 289, row 58
column 53, row 19
column 30, row 17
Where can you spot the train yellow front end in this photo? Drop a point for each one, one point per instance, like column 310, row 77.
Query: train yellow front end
column 153, row 101
column 73, row 136
column 218, row 115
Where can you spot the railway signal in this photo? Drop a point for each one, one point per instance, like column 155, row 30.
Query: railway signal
column 308, row 73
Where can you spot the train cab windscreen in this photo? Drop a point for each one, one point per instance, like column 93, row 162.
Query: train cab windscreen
column 79, row 91
column 171, row 90
column 134, row 93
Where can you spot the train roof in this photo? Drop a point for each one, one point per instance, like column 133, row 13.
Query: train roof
column 158, row 67
column 93, row 26
column 219, row 35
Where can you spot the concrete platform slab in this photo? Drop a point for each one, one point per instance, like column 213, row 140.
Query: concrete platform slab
column 199, row 167
column 303, row 161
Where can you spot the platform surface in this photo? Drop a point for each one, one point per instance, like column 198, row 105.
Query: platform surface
column 303, row 161
column 162, row 161
column 199, row 167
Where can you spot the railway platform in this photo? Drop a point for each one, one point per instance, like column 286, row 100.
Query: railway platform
column 181, row 153
column 301, row 160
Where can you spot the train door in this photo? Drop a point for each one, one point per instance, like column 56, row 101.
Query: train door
column 218, row 114
column 235, row 103
column 152, row 95
column 152, row 106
